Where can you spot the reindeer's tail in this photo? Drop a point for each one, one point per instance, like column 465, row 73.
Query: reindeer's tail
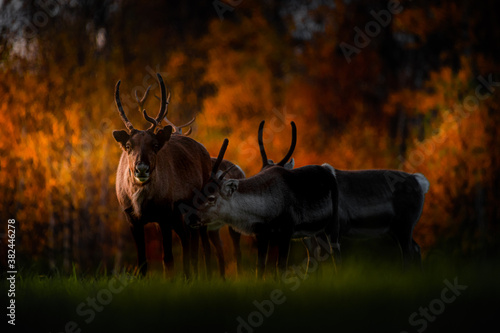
column 422, row 181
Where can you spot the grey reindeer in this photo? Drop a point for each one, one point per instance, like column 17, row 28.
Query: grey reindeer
column 373, row 203
column 275, row 206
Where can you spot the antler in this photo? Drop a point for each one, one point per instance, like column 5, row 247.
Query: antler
column 163, row 106
column 223, row 174
column 292, row 146
column 261, row 145
column 220, row 157
column 178, row 129
column 140, row 102
column 125, row 120
column 263, row 154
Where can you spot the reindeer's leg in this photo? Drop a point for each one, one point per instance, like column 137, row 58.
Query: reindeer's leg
column 334, row 234
column 323, row 249
column 408, row 205
column 283, row 241
column 194, row 246
column 168, row 258
column 235, row 236
column 272, row 256
column 327, row 250
column 311, row 246
column 403, row 237
column 262, row 247
column 138, row 234
column 181, row 231
column 214, row 236
column 206, row 249
column 397, row 240
column 417, row 256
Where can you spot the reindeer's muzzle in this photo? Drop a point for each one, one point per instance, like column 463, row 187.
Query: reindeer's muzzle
column 142, row 172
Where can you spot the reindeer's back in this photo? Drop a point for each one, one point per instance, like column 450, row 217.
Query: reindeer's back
column 235, row 173
column 186, row 165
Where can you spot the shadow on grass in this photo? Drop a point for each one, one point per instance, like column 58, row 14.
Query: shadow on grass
column 370, row 296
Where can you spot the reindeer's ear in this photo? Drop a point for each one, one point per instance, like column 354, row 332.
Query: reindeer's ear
column 121, row 137
column 163, row 135
column 229, row 187
column 290, row 165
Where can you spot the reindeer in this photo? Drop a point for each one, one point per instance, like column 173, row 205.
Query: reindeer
column 373, row 203
column 233, row 171
column 378, row 202
column 275, row 206
column 211, row 235
column 157, row 173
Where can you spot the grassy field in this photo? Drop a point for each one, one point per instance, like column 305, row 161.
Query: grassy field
column 448, row 296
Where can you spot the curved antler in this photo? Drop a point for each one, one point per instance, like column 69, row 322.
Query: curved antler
column 292, row 146
column 163, row 106
column 261, row 145
column 148, row 118
column 125, row 120
column 223, row 174
column 178, row 129
column 140, row 102
column 220, row 157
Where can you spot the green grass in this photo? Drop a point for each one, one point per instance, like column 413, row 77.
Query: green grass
column 361, row 297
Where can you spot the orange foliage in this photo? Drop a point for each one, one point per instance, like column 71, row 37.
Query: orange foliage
column 58, row 164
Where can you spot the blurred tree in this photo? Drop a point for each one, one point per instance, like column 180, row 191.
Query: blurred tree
column 398, row 102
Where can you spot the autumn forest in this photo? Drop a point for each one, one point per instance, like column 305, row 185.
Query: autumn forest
column 410, row 85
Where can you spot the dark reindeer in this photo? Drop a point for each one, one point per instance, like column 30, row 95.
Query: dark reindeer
column 233, row 171
column 378, row 202
column 373, row 203
column 275, row 206
column 310, row 243
column 158, row 172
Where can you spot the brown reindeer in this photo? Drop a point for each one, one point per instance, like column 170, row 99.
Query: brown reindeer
column 206, row 236
column 233, row 171
column 157, row 173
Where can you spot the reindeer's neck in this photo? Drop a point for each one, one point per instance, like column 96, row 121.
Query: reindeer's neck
column 139, row 194
column 244, row 210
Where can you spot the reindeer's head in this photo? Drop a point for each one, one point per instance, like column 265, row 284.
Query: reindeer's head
column 266, row 163
column 209, row 205
column 141, row 147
